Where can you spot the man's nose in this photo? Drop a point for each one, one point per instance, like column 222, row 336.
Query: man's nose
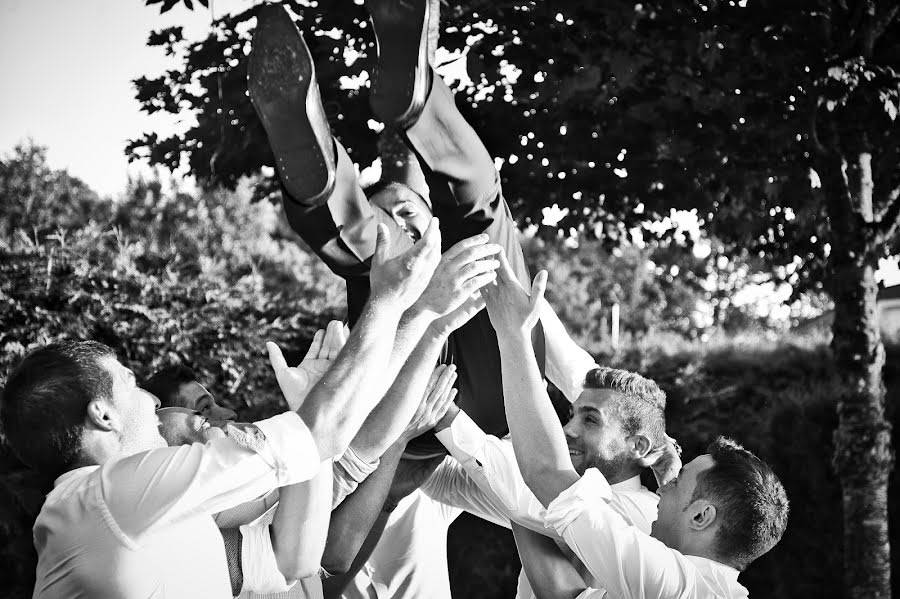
column 569, row 430
column 225, row 414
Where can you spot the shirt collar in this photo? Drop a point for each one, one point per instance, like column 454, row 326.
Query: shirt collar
column 76, row 473
column 632, row 484
column 719, row 569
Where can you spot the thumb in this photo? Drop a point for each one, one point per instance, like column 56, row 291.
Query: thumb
column 276, row 358
column 538, row 287
column 382, row 241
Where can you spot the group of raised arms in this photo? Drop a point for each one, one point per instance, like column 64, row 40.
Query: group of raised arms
column 397, row 423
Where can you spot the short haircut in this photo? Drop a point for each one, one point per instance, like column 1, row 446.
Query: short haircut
column 749, row 499
column 642, row 404
column 166, row 382
column 45, row 401
column 385, row 184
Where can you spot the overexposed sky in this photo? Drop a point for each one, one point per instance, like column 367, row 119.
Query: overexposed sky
column 66, row 68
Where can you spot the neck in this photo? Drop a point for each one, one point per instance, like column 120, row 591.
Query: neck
column 622, row 474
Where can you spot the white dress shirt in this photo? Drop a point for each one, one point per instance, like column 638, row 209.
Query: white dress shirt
column 410, row 560
column 626, row 561
column 487, row 479
column 262, row 579
column 141, row 526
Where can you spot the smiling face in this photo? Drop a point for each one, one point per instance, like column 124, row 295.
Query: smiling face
column 137, row 423
column 676, row 508
column 406, row 207
column 595, row 435
column 182, row 426
column 194, row 396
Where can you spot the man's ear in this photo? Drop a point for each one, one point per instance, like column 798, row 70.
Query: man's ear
column 703, row 515
column 101, row 414
column 639, row 446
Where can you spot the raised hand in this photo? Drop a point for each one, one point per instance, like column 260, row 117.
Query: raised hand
column 401, row 279
column 439, row 396
column 443, row 326
column 509, row 306
column 296, row 382
column 665, row 461
column 462, row 271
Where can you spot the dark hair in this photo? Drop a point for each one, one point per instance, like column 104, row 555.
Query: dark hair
column 642, row 404
column 164, row 383
column 45, row 402
column 384, row 184
column 749, row 499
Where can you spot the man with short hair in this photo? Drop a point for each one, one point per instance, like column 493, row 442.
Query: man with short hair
column 724, row 510
column 617, row 426
column 178, row 386
column 130, row 517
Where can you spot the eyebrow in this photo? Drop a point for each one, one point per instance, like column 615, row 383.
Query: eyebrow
column 587, row 409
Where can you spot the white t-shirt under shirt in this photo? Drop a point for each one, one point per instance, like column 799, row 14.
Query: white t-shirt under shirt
column 140, row 526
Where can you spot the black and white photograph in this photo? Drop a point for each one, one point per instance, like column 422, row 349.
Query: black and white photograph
column 435, row 299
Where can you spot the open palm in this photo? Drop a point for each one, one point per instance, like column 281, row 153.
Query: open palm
column 297, row 381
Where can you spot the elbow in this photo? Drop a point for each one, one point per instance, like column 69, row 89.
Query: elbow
column 300, row 571
column 300, row 566
column 337, row 565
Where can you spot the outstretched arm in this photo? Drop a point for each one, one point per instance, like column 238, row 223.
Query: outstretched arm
column 337, row 405
column 538, row 440
column 549, row 573
column 351, row 521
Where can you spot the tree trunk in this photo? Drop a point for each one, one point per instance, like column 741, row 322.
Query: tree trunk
column 398, row 163
column 862, row 458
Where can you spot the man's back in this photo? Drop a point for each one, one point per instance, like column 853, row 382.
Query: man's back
column 82, row 552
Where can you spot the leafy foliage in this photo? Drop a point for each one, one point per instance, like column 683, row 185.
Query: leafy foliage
column 638, row 109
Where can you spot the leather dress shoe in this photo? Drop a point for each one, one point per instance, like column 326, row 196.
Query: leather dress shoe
column 283, row 89
column 401, row 78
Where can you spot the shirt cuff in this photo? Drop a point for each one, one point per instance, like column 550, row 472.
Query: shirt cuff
column 290, row 447
column 349, row 471
column 563, row 510
column 260, row 569
column 463, row 438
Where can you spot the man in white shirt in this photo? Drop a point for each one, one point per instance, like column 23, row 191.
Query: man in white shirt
column 129, row 517
column 724, row 510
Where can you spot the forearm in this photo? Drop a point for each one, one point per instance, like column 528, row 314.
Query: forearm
column 300, row 525
column 566, row 364
column 352, row 520
column 537, row 436
column 333, row 586
column 549, row 573
column 392, row 414
column 347, row 392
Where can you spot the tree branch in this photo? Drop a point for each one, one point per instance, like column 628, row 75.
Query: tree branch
column 890, row 219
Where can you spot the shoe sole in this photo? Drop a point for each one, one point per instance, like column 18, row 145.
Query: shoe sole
column 283, row 90
column 400, row 76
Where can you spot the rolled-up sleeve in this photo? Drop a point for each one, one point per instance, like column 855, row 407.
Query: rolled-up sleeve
column 290, row 447
column 491, row 464
column 260, row 568
column 161, row 486
column 350, row 471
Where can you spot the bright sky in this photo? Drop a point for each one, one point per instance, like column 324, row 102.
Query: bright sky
column 66, row 68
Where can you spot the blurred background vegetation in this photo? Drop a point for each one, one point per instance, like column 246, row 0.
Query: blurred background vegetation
column 166, row 275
